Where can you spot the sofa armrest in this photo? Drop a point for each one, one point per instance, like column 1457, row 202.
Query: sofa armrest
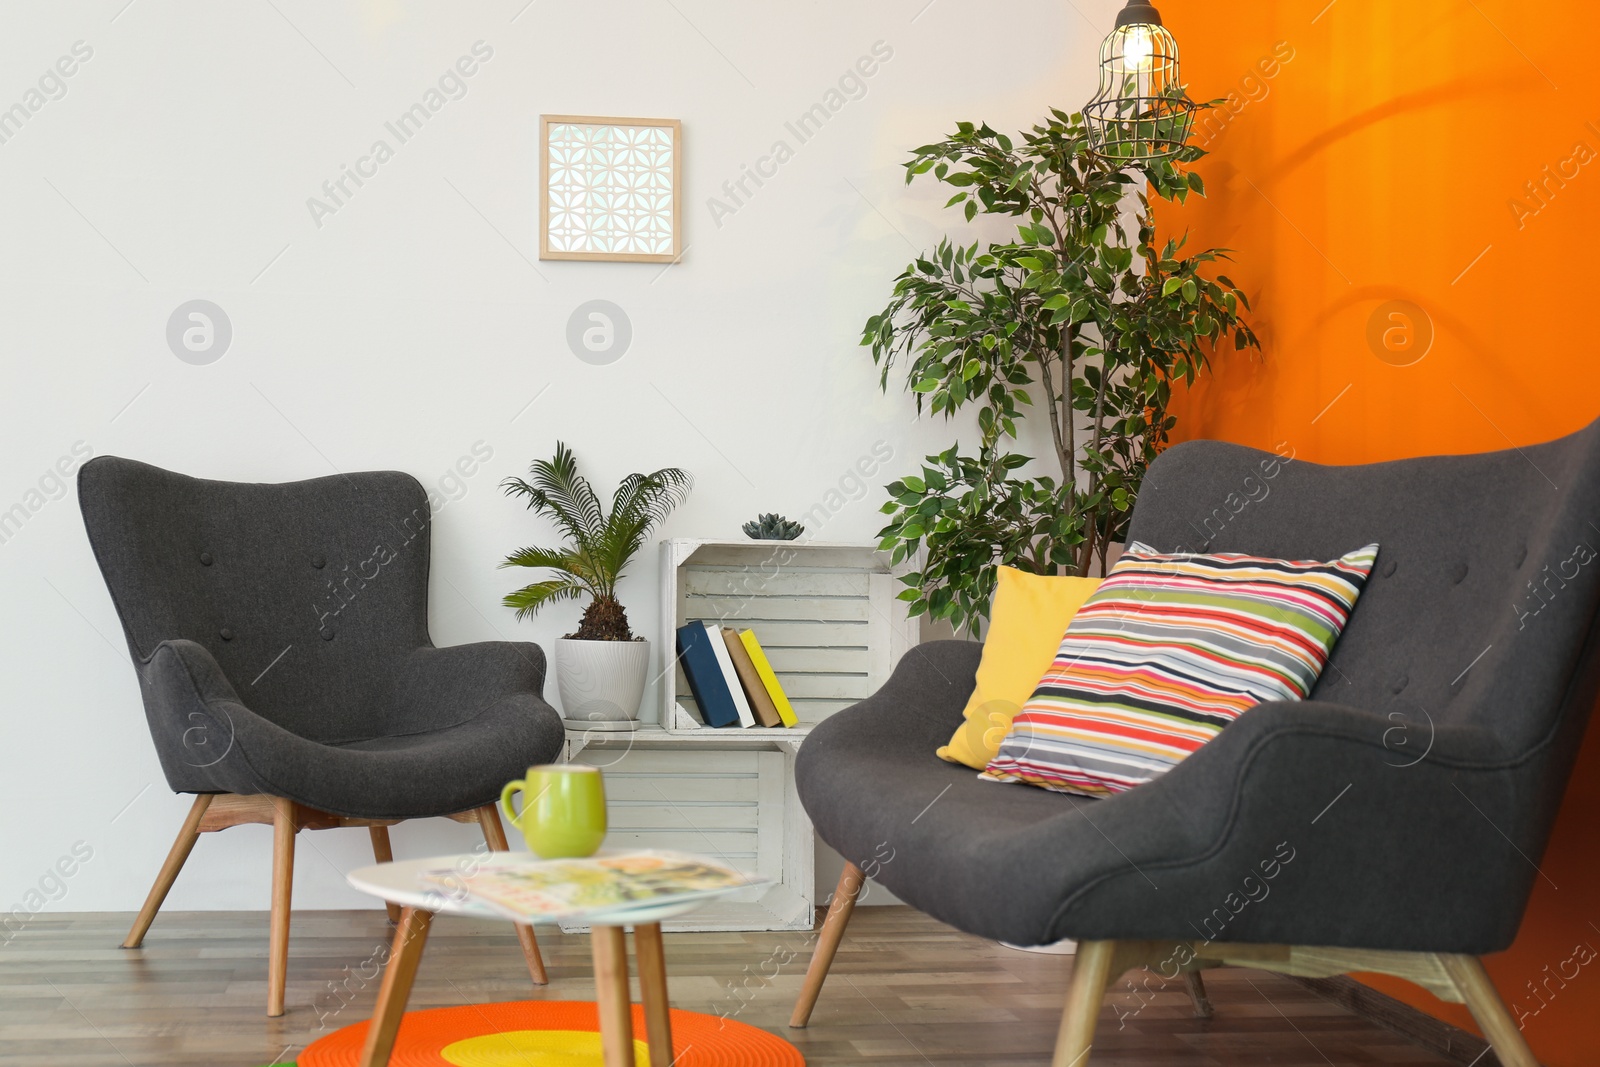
column 1372, row 808
column 1223, row 778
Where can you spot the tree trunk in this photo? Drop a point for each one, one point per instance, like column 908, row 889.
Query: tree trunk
column 604, row 619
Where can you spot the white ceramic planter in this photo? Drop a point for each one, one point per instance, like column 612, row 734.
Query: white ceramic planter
column 602, row 682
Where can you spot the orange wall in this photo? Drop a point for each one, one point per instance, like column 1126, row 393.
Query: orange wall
column 1389, row 160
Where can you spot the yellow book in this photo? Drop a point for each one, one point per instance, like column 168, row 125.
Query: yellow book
column 768, row 678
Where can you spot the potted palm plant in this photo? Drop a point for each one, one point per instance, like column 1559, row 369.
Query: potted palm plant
column 601, row 667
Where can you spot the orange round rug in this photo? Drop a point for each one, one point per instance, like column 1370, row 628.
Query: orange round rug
column 549, row 1033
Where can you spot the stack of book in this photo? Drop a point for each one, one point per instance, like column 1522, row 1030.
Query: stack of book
column 732, row 682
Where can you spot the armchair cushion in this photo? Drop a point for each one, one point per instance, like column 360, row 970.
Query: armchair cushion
column 1171, row 649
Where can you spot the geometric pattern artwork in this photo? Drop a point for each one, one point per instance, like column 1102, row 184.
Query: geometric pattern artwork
column 610, row 188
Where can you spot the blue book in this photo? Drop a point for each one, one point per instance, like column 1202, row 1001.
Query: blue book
column 704, row 673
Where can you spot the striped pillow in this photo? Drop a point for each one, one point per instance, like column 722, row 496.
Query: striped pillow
column 1169, row 650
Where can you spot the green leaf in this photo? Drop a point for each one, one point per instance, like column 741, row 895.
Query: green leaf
column 1171, row 285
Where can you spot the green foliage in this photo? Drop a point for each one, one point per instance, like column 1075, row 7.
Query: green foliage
column 602, row 545
column 1086, row 312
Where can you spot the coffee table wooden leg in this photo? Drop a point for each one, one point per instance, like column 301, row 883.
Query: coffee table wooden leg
column 406, row 953
column 611, row 995
column 653, row 992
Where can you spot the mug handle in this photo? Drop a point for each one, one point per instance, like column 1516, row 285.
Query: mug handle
column 518, row 786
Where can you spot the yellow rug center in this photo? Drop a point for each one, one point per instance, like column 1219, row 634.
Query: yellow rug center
column 535, row 1048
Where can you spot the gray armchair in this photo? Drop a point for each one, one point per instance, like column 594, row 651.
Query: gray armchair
column 1392, row 823
column 281, row 640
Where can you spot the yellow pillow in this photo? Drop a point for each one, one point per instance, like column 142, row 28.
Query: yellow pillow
column 1026, row 623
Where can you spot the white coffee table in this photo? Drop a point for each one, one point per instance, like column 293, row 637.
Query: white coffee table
column 397, row 883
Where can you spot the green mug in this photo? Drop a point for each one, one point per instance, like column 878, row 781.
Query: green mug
column 563, row 810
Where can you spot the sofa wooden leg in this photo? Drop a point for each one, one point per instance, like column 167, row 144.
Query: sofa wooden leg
column 383, row 852
column 188, row 834
column 1197, row 993
column 1479, row 995
column 495, row 835
column 283, row 831
column 1091, row 974
column 839, row 909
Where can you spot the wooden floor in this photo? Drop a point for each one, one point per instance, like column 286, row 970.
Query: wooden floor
column 905, row 990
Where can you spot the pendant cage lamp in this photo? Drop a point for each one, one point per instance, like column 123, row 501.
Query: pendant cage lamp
column 1141, row 113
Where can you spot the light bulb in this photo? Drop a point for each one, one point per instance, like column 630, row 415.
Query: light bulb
column 1137, row 48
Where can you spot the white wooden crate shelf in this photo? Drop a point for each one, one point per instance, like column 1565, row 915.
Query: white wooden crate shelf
column 826, row 614
column 732, row 800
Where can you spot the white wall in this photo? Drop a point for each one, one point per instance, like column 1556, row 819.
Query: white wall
column 417, row 321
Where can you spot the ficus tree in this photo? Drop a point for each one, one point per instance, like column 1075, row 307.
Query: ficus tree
column 1086, row 312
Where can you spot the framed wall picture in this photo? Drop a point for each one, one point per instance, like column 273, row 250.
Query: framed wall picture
column 610, row 188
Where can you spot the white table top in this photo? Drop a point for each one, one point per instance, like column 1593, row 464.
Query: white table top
column 397, row 883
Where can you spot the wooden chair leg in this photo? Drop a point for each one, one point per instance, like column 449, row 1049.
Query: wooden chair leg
column 611, row 995
column 384, row 853
column 283, row 831
column 495, row 835
column 652, row 958
column 1481, row 998
column 1091, row 973
column 839, row 909
column 409, row 938
column 188, row 834
column 1197, row 993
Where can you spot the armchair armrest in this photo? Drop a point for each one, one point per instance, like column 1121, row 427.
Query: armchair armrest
column 1370, row 808
column 437, row 687
column 194, row 713
column 480, row 704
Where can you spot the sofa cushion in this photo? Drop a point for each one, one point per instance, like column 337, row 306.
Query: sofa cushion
column 1027, row 618
column 1170, row 650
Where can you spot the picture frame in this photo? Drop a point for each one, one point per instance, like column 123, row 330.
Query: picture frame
column 610, row 189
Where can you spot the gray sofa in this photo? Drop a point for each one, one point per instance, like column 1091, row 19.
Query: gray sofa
column 1412, row 794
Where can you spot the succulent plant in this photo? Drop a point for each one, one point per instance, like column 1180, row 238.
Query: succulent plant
column 773, row 528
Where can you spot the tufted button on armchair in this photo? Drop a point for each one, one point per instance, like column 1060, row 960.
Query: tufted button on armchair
column 1390, row 823
column 256, row 709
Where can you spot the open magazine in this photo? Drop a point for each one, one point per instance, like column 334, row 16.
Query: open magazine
column 534, row 889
